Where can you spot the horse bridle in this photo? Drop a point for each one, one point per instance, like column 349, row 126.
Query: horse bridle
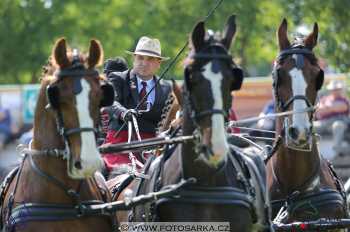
column 300, row 51
column 206, row 53
column 203, row 54
column 76, row 71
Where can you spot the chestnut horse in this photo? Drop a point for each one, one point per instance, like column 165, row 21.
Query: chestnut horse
column 56, row 177
column 299, row 178
column 222, row 192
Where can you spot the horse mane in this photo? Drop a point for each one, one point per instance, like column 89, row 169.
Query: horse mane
column 165, row 111
column 47, row 69
column 172, row 105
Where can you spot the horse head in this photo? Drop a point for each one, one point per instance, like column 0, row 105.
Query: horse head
column 296, row 80
column 74, row 95
column 208, row 82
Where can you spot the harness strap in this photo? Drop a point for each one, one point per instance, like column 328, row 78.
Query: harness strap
column 11, row 200
column 212, row 56
column 210, row 195
column 202, row 114
column 46, row 152
column 4, row 188
column 296, row 50
column 117, row 189
column 74, row 72
column 261, row 182
column 309, row 200
column 285, row 106
column 274, row 149
column 339, row 186
column 30, row 212
column 262, row 211
column 70, row 192
column 239, row 171
column 68, row 132
column 140, row 183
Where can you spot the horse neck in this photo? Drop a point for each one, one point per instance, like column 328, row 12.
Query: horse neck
column 295, row 170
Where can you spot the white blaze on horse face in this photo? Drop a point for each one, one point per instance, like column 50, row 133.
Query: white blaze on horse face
column 218, row 133
column 300, row 120
column 90, row 158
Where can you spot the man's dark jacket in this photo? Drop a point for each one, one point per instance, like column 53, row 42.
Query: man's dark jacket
column 127, row 97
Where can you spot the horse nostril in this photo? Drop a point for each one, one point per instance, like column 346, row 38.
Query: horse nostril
column 293, row 133
column 77, row 165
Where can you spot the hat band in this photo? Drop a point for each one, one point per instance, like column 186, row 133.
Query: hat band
column 148, row 51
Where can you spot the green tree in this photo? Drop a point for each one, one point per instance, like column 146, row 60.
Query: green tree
column 30, row 27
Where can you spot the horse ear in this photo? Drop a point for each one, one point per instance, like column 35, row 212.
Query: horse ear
column 95, row 53
column 311, row 40
column 59, row 52
column 282, row 36
column 197, row 36
column 229, row 31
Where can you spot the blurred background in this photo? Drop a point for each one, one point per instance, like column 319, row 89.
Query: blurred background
column 28, row 29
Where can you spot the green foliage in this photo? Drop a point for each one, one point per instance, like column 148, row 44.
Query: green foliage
column 30, row 27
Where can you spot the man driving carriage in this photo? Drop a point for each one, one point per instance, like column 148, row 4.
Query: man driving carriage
column 131, row 88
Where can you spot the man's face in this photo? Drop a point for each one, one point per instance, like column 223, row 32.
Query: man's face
column 337, row 92
column 146, row 66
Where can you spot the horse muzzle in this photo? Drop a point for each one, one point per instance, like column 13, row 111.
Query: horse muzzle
column 84, row 168
column 297, row 137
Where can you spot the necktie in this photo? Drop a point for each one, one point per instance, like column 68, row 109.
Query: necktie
column 142, row 94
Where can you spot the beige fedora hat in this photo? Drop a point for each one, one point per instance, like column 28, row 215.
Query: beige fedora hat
column 148, row 47
column 335, row 84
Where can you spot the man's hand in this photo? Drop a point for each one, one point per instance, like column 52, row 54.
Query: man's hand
column 127, row 115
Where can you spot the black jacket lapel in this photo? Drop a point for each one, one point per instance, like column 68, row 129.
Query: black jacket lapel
column 133, row 87
column 158, row 93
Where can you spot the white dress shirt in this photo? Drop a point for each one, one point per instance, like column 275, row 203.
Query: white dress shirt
column 150, row 83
